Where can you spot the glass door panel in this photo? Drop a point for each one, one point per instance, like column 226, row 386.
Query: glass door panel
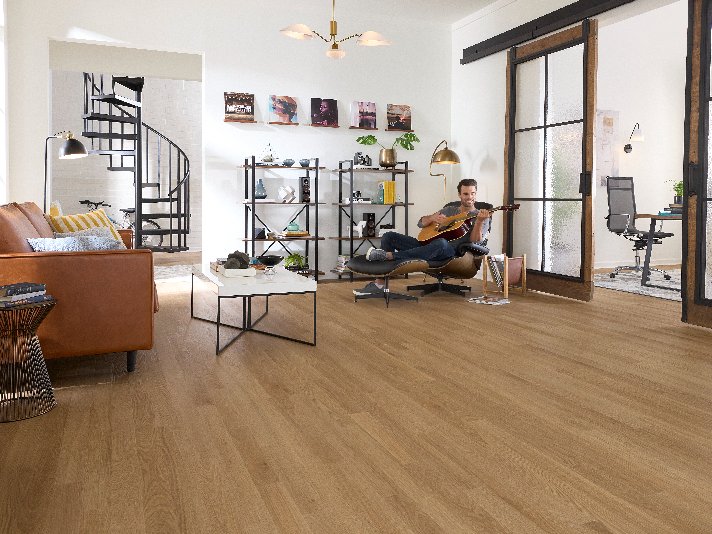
column 530, row 94
column 562, row 252
column 563, row 161
column 529, row 155
column 565, row 85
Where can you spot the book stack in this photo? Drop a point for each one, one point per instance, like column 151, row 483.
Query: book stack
column 389, row 192
column 341, row 262
column 22, row 293
column 675, row 209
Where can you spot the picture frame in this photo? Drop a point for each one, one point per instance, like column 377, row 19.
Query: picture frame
column 324, row 112
column 363, row 115
column 398, row 117
column 239, row 107
column 282, row 110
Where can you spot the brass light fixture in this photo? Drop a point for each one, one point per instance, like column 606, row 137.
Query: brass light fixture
column 635, row 136
column 302, row 32
column 443, row 156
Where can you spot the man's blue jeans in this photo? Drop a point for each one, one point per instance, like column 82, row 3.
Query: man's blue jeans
column 405, row 247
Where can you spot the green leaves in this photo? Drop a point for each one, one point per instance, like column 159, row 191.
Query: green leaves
column 404, row 141
column 368, row 140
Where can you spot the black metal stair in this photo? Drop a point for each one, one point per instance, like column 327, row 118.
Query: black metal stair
column 111, row 127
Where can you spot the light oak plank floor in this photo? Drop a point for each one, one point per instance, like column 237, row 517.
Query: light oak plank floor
column 545, row 415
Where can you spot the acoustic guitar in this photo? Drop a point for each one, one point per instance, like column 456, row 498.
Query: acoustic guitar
column 456, row 226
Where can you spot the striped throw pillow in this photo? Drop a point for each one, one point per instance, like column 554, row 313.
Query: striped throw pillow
column 83, row 221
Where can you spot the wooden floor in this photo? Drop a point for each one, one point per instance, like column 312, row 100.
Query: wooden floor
column 544, row 415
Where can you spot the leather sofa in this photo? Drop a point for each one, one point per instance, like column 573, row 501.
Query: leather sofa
column 105, row 299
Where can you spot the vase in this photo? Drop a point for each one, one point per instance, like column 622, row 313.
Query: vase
column 260, row 191
column 387, row 157
column 677, row 200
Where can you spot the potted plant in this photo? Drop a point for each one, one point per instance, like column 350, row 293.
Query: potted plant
column 387, row 156
column 296, row 262
column 677, row 188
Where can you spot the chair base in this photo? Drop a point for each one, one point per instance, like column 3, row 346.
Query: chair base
column 456, row 289
column 387, row 294
column 638, row 269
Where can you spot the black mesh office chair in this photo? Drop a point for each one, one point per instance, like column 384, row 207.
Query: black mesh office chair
column 621, row 221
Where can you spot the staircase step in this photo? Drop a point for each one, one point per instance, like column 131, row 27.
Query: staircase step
column 168, row 249
column 165, row 231
column 145, row 216
column 109, row 135
column 157, row 200
column 127, row 169
column 109, row 118
column 107, row 152
column 135, row 83
column 150, row 184
column 115, row 99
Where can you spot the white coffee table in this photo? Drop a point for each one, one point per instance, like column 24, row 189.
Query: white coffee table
column 284, row 282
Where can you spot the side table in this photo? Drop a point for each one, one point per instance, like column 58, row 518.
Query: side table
column 25, row 389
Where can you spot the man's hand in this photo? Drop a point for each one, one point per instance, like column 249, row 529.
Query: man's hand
column 435, row 218
column 483, row 214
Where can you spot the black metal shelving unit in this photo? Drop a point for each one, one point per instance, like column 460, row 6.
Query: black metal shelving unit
column 346, row 209
column 251, row 216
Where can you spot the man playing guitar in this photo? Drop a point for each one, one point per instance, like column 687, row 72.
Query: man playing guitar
column 397, row 246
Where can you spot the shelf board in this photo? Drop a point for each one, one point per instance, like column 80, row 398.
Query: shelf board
column 284, row 123
column 293, row 167
column 361, row 128
column 236, row 120
column 377, row 171
column 271, row 203
column 369, row 204
column 306, row 238
column 398, row 130
column 324, row 126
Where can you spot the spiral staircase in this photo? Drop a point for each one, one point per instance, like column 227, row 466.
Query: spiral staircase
column 160, row 168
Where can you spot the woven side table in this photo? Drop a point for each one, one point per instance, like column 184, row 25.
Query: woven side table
column 25, row 389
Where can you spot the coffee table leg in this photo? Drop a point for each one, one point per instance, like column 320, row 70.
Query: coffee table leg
column 314, row 342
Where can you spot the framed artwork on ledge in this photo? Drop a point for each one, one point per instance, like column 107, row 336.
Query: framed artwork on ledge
column 282, row 110
column 398, row 117
column 363, row 115
column 239, row 107
column 324, row 112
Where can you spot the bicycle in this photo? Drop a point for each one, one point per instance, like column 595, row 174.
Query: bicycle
column 129, row 222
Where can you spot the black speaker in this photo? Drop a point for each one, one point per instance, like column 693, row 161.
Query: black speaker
column 370, row 229
column 304, row 190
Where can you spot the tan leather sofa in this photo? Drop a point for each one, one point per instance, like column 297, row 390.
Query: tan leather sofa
column 105, row 299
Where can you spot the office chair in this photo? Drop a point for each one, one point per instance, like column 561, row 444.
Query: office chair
column 621, row 221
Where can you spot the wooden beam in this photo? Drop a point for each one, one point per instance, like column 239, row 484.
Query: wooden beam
column 554, row 21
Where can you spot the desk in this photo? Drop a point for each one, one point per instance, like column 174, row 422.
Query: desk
column 654, row 218
column 283, row 283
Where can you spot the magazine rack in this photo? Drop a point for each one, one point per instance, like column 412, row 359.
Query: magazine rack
column 506, row 272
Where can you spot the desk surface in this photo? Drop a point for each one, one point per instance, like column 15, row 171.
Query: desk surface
column 283, row 282
column 657, row 216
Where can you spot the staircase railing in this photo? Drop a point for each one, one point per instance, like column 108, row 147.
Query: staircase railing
column 151, row 149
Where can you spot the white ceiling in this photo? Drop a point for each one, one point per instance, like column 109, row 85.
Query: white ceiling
column 444, row 11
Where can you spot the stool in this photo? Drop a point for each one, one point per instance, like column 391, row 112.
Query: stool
column 25, row 389
column 385, row 269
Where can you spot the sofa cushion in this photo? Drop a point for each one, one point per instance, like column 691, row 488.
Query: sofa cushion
column 75, row 244
column 33, row 212
column 15, row 228
column 99, row 231
column 82, row 221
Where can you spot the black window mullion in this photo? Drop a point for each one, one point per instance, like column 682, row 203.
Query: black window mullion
column 544, row 160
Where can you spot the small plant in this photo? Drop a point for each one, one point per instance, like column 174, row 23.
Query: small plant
column 677, row 187
column 295, row 261
column 404, row 141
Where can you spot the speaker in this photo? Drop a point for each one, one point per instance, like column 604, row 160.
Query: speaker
column 304, row 190
column 370, row 229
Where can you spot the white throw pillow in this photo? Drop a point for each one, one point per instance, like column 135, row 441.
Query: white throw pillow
column 74, row 244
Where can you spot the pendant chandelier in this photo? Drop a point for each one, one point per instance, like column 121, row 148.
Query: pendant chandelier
column 302, row 31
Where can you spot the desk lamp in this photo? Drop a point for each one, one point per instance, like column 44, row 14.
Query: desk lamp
column 71, row 149
column 444, row 156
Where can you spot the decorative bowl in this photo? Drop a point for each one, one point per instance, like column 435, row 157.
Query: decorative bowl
column 270, row 260
column 288, row 162
column 304, row 162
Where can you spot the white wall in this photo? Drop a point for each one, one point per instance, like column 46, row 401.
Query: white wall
column 243, row 51
column 3, row 107
column 478, row 103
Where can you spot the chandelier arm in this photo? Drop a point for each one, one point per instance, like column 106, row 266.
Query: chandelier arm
column 349, row 37
column 320, row 36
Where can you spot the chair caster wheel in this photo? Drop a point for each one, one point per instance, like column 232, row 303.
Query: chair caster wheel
column 667, row 277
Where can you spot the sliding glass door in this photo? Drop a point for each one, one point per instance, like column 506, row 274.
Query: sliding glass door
column 549, row 159
column 697, row 228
